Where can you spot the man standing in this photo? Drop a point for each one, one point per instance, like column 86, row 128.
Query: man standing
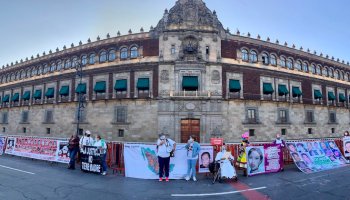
column 73, row 147
column 165, row 147
column 86, row 140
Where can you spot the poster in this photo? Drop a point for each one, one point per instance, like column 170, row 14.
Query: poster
column 264, row 159
column 2, row 144
column 316, row 156
column 141, row 161
column 91, row 160
column 37, row 148
column 346, row 143
column 206, row 156
column 62, row 153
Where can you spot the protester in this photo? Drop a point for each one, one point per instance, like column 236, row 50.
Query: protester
column 346, row 133
column 193, row 149
column 102, row 149
column 73, row 148
column 242, row 159
column 165, row 147
column 226, row 158
column 255, row 158
column 279, row 140
column 86, row 140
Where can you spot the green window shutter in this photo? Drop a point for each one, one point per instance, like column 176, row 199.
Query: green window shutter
column 6, row 98
column 81, row 88
column 267, row 88
column 26, row 95
column 121, row 85
column 317, row 94
column 296, row 92
column 282, row 90
column 143, row 84
column 190, row 83
column 331, row 96
column 342, row 97
column 100, row 87
column 37, row 94
column 234, row 86
column 64, row 91
column 15, row 97
column 50, row 93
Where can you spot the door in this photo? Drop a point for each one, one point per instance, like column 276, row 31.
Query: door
column 190, row 127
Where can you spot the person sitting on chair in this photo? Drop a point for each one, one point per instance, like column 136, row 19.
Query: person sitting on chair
column 225, row 158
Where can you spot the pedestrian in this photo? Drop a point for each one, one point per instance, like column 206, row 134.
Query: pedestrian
column 242, row 158
column 279, row 140
column 346, row 133
column 165, row 148
column 193, row 149
column 102, row 149
column 73, row 148
column 86, row 140
column 226, row 159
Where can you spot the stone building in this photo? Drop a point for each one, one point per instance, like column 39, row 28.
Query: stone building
column 188, row 75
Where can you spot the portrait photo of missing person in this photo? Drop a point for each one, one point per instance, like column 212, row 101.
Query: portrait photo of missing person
column 205, row 160
column 255, row 161
column 347, row 147
column 292, row 148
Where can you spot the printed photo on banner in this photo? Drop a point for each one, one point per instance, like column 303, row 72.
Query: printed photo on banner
column 62, row 153
column 2, row 144
column 205, row 158
column 346, row 143
column 10, row 146
column 255, row 160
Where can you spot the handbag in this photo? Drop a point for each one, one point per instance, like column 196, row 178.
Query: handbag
column 169, row 149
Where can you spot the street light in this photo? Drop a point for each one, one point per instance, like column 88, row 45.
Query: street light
column 81, row 96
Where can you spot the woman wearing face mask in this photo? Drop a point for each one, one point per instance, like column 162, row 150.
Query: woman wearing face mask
column 102, row 148
column 225, row 157
column 193, row 149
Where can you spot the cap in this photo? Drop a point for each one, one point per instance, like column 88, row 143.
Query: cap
column 87, row 132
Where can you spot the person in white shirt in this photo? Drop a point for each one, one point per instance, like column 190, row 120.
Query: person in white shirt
column 86, row 140
column 225, row 158
column 102, row 148
column 165, row 146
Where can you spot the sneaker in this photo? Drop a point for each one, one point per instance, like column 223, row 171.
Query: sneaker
column 160, row 179
column 194, row 179
column 187, row 178
column 167, row 179
column 104, row 173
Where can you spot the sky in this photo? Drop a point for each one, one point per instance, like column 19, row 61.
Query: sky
column 29, row 27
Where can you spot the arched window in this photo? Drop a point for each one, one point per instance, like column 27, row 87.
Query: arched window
column 46, row 68
column 337, row 76
column 331, row 73
column 84, row 60
column 18, row 74
column 305, row 67
column 40, row 70
column 245, row 56
column 74, row 62
column 253, row 56
column 103, row 56
column 92, row 59
column 298, row 65
column 124, row 53
column 325, row 71
column 290, row 63
column 67, row 64
column 13, row 76
column 273, row 60
column 283, row 61
column 22, row 75
column 265, row 59
column 318, row 70
column 342, row 77
column 59, row 66
column 348, row 76
column 28, row 73
column 52, row 67
column 134, row 52
column 111, row 55
column 313, row 69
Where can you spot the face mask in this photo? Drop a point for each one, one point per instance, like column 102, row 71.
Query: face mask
column 223, row 149
column 191, row 139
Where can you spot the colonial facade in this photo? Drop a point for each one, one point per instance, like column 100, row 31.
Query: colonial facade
column 188, row 75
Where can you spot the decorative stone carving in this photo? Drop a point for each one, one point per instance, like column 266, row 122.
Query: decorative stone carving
column 190, row 106
column 164, row 76
column 215, row 77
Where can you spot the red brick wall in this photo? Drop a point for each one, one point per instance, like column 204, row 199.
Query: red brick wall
column 228, row 49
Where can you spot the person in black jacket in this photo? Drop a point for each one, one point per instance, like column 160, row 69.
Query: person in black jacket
column 73, row 147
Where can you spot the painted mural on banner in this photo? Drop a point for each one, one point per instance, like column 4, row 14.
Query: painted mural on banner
column 264, row 159
column 91, row 160
column 316, row 156
column 37, row 148
column 206, row 156
column 2, row 144
column 141, row 161
column 346, row 145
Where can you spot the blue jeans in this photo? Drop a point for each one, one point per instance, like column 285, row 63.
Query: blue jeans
column 103, row 162
column 191, row 166
column 72, row 155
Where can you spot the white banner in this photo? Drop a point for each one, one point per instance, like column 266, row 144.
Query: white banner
column 141, row 161
column 206, row 156
column 2, row 144
column 346, row 146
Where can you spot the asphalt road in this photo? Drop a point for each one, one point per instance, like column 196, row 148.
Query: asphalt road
column 42, row 180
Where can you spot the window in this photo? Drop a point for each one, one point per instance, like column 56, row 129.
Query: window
column 103, row 56
column 48, row 130
column 283, row 116
column 46, row 68
column 121, row 114
column 336, row 74
column 333, row 130
column 305, row 67
column 134, row 52
column 253, row 57
column 25, row 115
column 24, row 130
column 207, row 50
column 313, row 69
column 290, row 63
column 173, row 49
column 83, row 60
column 332, row 117
column 67, row 64
column 265, row 59
column 124, row 53
column 318, row 70
column 80, row 131
column 342, row 76
column 74, row 62
column 273, row 60
column 52, row 67
column 48, row 116
column 59, row 66
column 309, row 131
column 3, row 129
column 245, row 55
column 298, row 65
column 4, row 118
column 283, row 131
column 325, row 71
column 251, row 132
column 40, row 70
column 111, row 55
column 309, row 116
column 252, row 115
column 331, row 73
column 283, row 61
column 121, row 133
column 92, row 59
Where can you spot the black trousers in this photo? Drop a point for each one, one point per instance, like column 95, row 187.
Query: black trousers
column 163, row 166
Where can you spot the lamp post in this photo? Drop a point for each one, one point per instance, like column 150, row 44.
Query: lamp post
column 81, row 96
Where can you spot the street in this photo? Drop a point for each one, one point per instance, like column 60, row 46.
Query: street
column 22, row 178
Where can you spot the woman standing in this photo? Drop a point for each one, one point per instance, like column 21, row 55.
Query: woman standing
column 193, row 149
column 165, row 147
column 102, row 148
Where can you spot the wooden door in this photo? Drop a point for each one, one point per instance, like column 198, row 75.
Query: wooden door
column 190, row 127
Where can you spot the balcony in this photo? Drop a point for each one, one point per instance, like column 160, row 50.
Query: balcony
column 193, row 94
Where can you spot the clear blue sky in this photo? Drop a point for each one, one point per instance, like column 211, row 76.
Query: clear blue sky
column 28, row 27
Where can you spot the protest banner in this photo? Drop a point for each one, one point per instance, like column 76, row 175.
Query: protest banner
column 346, row 145
column 206, row 156
column 38, row 148
column 141, row 161
column 91, row 160
column 267, row 158
column 316, row 156
column 2, row 144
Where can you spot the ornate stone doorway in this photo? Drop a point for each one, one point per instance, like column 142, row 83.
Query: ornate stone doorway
column 190, row 127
